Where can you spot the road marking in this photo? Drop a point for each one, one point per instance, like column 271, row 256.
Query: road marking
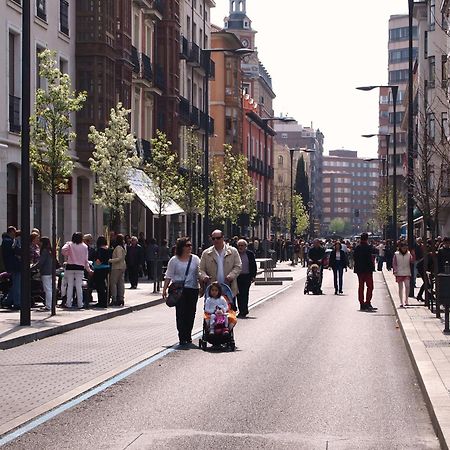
column 21, row 430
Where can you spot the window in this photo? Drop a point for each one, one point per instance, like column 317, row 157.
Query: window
column 444, row 75
column 284, row 135
column 396, row 76
column 64, row 17
column 444, row 126
column 401, row 34
column 13, row 75
column 431, row 71
column 41, row 10
column 39, row 79
column 431, row 127
column 399, row 117
column 401, row 55
column 280, row 160
column 432, row 15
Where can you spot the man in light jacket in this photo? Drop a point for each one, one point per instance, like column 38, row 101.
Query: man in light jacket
column 220, row 262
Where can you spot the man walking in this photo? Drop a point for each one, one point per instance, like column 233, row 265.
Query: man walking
column 246, row 277
column 134, row 260
column 364, row 255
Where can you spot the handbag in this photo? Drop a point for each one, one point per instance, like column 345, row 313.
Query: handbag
column 176, row 288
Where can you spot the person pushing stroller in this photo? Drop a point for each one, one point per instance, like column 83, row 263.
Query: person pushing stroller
column 216, row 307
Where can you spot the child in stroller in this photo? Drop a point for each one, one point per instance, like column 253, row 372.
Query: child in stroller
column 218, row 325
column 313, row 280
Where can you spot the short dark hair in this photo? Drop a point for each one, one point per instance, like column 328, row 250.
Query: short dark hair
column 101, row 240
column 181, row 243
column 77, row 238
column 119, row 239
column 45, row 243
column 364, row 237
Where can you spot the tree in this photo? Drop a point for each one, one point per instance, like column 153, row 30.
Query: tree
column 337, row 226
column 300, row 213
column 50, row 137
column 231, row 189
column 113, row 158
column 301, row 181
column 162, row 170
column 191, row 195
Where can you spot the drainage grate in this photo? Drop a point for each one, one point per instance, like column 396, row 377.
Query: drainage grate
column 441, row 343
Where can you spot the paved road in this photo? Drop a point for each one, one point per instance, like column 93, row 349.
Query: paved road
column 309, row 373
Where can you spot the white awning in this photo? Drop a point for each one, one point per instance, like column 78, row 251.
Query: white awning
column 141, row 184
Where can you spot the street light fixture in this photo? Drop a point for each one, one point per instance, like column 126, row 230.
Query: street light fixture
column 310, row 204
column 394, row 91
column 207, row 52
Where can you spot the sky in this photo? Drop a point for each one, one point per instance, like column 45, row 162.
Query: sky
column 317, row 53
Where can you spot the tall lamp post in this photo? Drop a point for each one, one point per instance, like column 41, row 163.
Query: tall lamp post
column 207, row 54
column 394, row 91
column 291, row 154
column 385, row 167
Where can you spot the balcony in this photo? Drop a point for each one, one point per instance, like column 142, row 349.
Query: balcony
column 184, row 53
column 152, row 8
column 147, row 72
column 194, row 54
column 207, row 64
column 135, row 60
column 185, row 111
column 159, row 77
column 14, row 114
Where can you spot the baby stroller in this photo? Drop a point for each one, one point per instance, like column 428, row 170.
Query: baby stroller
column 5, row 286
column 313, row 280
column 220, row 339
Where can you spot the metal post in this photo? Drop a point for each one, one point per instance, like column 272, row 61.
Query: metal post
column 25, row 281
column 266, row 192
column 206, row 162
column 291, row 153
column 394, row 90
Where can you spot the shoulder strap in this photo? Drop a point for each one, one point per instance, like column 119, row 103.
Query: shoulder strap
column 187, row 268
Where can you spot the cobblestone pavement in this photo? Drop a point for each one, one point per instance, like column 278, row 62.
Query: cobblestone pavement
column 39, row 376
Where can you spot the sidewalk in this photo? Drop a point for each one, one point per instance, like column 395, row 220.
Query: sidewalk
column 429, row 350
column 44, row 325
column 40, row 376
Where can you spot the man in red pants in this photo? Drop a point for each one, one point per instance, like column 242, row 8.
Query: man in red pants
column 364, row 267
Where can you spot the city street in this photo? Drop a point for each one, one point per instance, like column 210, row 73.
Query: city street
column 309, row 372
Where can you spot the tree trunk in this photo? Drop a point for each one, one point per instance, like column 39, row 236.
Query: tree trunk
column 53, row 196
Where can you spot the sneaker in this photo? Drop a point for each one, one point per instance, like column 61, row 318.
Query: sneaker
column 211, row 331
column 362, row 307
column 371, row 308
column 400, row 306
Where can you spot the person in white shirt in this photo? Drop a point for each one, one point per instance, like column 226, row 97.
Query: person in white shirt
column 216, row 306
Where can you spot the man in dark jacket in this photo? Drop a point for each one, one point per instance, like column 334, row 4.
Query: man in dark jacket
column 134, row 260
column 364, row 256
column 444, row 255
column 11, row 259
column 316, row 254
column 246, row 277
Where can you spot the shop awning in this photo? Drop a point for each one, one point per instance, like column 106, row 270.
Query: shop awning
column 141, row 185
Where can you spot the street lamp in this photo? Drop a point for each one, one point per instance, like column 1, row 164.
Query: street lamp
column 385, row 169
column 310, row 205
column 394, row 90
column 207, row 54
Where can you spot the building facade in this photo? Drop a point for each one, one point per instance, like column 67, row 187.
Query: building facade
column 350, row 187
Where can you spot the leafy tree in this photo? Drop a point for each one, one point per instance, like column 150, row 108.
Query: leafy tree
column 162, row 169
column 113, row 158
column 191, row 195
column 300, row 215
column 231, row 189
column 50, row 136
column 301, row 181
column 337, row 226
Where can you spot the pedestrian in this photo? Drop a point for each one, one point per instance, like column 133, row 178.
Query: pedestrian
column 401, row 265
column 101, row 271
column 364, row 255
column 117, row 276
column 151, row 256
column 76, row 252
column 381, row 249
column 338, row 262
column 11, row 259
column 163, row 257
column 389, row 254
column 35, row 248
column 316, row 254
column 246, row 277
column 184, row 267
column 134, row 260
column 45, row 270
column 89, row 241
column 443, row 256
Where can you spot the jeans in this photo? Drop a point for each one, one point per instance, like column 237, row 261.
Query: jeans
column 14, row 294
column 365, row 279
column 100, row 283
column 47, row 285
column 338, row 273
column 74, row 279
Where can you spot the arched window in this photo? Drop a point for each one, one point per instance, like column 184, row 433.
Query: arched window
column 280, row 160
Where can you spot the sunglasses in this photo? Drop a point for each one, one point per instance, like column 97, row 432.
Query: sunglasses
column 216, row 238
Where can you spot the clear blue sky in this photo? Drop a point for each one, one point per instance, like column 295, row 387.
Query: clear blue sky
column 317, row 52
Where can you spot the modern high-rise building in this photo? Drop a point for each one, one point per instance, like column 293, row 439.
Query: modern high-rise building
column 350, row 187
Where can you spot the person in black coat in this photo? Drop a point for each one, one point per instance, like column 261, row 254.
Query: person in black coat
column 338, row 262
column 246, row 277
column 135, row 260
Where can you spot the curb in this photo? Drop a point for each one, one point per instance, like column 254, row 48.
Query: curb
column 38, row 335
column 413, row 348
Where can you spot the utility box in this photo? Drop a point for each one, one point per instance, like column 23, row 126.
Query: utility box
column 443, row 289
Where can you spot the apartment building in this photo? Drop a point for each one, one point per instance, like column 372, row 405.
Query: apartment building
column 53, row 27
column 350, row 186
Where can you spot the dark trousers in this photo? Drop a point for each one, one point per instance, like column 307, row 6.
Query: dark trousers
column 185, row 313
column 244, row 282
column 100, row 277
column 133, row 275
column 365, row 279
column 380, row 263
column 338, row 273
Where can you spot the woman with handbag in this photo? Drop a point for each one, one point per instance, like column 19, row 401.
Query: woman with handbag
column 101, row 271
column 183, row 275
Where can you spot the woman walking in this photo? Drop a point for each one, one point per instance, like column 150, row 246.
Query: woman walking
column 338, row 262
column 76, row 252
column 101, row 271
column 184, row 267
column 117, row 277
column 401, row 265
